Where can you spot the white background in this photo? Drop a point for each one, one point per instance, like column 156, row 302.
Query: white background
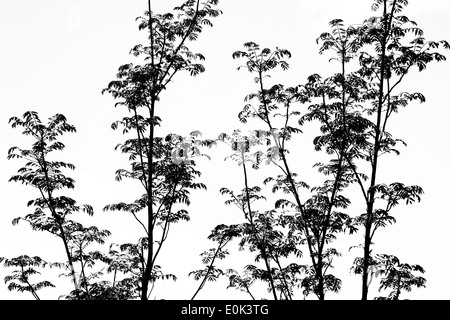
column 57, row 56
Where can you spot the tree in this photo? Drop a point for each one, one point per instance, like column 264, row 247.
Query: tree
column 138, row 87
column 261, row 232
column 51, row 211
column 353, row 107
column 355, row 128
column 394, row 274
column 334, row 100
column 254, row 235
column 397, row 276
column 222, row 234
column 391, row 46
column 315, row 220
column 19, row 279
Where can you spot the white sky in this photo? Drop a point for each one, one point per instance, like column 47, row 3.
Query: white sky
column 57, row 56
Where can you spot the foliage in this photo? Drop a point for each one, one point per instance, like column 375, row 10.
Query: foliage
column 222, row 234
column 19, row 280
column 394, row 275
column 397, row 276
column 313, row 221
column 389, row 47
column 291, row 239
column 52, row 212
column 160, row 164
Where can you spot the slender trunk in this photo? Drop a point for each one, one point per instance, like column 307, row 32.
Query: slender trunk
column 302, row 211
column 33, row 292
column 397, row 294
column 114, row 278
column 166, row 227
column 378, row 133
column 283, row 278
column 205, row 278
column 69, row 255
column 50, row 203
column 248, row 291
column 322, row 241
column 83, row 276
column 260, row 244
column 287, row 170
column 157, row 83
column 146, row 277
column 319, row 274
column 147, row 182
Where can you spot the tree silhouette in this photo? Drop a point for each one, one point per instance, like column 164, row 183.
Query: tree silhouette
column 255, row 236
column 138, row 87
column 19, row 279
column 288, row 227
column 313, row 220
column 391, row 45
column 222, row 234
column 397, row 276
column 51, row 211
